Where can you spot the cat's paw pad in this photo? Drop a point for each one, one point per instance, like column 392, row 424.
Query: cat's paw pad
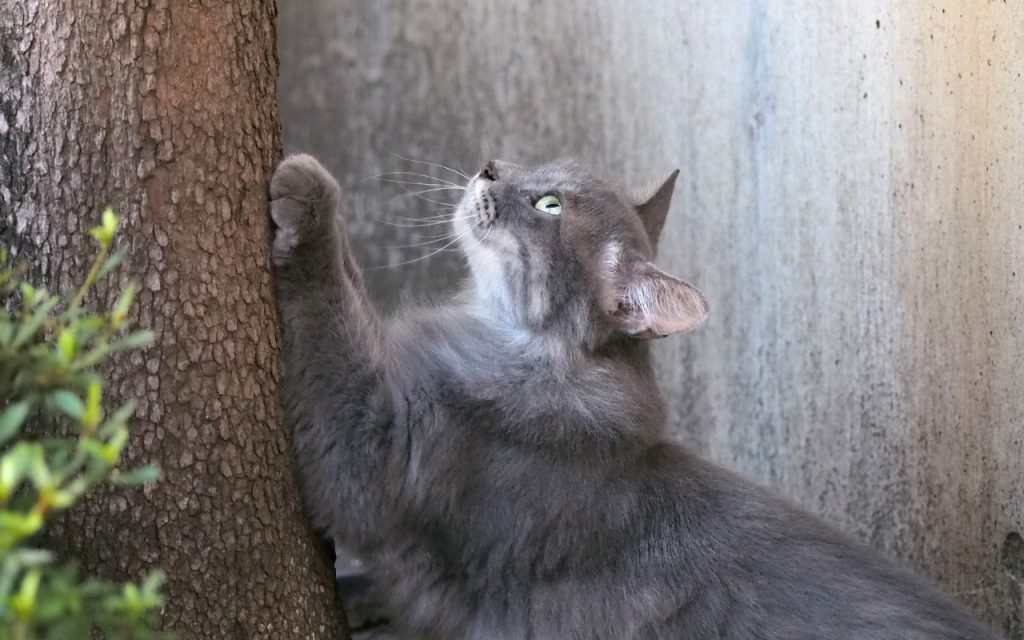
column 303, row 198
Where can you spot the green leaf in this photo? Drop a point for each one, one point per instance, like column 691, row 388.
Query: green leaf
column 9, row 569
column 108, row 227
column 121, row 415
column 28, row 329
column 28, row 294
column 92, row 357
column 123, row 304
column 12, row 418
column 67, row 343
column 94, row 449
column 133, row 341
column 77, row 487
column 117, row 420
column 68, row 403
column 132, row 598
column 63, row 499
column 93, row 409
column 110, row 263
column 110, row 221
column 101, row 236
column 112, row 449
column 88, row 327
column 32, row 557
column 10, row 476
column 153, row 582
column 40, row 471
column 6, row 331
column 24, row 602
column 136, row 477
column 15, row 527
column 15, row 465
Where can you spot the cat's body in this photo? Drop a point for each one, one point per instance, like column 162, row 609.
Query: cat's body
column 501, row 463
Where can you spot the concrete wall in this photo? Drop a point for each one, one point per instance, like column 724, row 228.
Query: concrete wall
column 852, row 201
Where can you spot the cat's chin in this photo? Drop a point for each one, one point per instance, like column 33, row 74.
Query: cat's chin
column 473, row 221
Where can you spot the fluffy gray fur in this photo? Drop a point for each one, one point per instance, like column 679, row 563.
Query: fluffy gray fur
column 502, row 464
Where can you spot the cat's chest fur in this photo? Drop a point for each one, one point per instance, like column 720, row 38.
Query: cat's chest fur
column 499, row 453
column 507, row 450
column 512, row 524
column 520, row 385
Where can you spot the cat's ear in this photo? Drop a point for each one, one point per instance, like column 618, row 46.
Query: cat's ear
column 650, row 303
column 652, row 206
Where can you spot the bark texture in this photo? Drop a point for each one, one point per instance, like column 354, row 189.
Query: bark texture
column 167, row 111
column 850, row 200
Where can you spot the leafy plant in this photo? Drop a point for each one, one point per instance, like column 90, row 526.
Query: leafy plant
column 51, row 347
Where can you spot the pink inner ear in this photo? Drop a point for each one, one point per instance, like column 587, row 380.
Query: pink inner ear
column 654, row 304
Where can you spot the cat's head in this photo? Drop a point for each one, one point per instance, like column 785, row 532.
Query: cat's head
column 552, row 248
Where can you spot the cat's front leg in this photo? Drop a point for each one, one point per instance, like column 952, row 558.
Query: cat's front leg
column 333, row 389
column 309, row 248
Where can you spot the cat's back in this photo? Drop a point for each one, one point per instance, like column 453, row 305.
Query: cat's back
column 768, row 570
column 653, row 544
column 664, row 545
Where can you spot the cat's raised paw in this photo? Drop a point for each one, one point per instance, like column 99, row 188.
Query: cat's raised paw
column 303, row 200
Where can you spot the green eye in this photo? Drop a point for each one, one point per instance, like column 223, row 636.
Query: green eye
column 549, row 204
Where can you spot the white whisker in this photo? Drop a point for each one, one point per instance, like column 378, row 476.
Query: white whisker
column 430, row 164
column 393, row 176
column 421, row 192
column 440, row 216
column 429, row 241
column 450, row 205
column 436, row 185
column 429, row 255
column 418, row 223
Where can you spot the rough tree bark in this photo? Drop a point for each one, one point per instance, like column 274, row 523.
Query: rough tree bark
column 167, row 111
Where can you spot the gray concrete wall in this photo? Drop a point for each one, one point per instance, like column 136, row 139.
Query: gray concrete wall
column 852, row 201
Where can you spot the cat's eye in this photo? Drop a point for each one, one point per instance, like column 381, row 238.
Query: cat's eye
column 549, row 204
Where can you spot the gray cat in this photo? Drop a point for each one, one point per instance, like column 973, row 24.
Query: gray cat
column 502, row 462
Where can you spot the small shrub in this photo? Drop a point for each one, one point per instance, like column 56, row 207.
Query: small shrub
column 51, row 348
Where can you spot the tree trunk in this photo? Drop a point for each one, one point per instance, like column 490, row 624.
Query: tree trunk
column 166, row 111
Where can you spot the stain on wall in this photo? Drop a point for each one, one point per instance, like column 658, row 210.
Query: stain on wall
column 851, row 199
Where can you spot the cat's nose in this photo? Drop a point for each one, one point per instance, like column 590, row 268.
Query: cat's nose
column 496, row 169
column 490, row 171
